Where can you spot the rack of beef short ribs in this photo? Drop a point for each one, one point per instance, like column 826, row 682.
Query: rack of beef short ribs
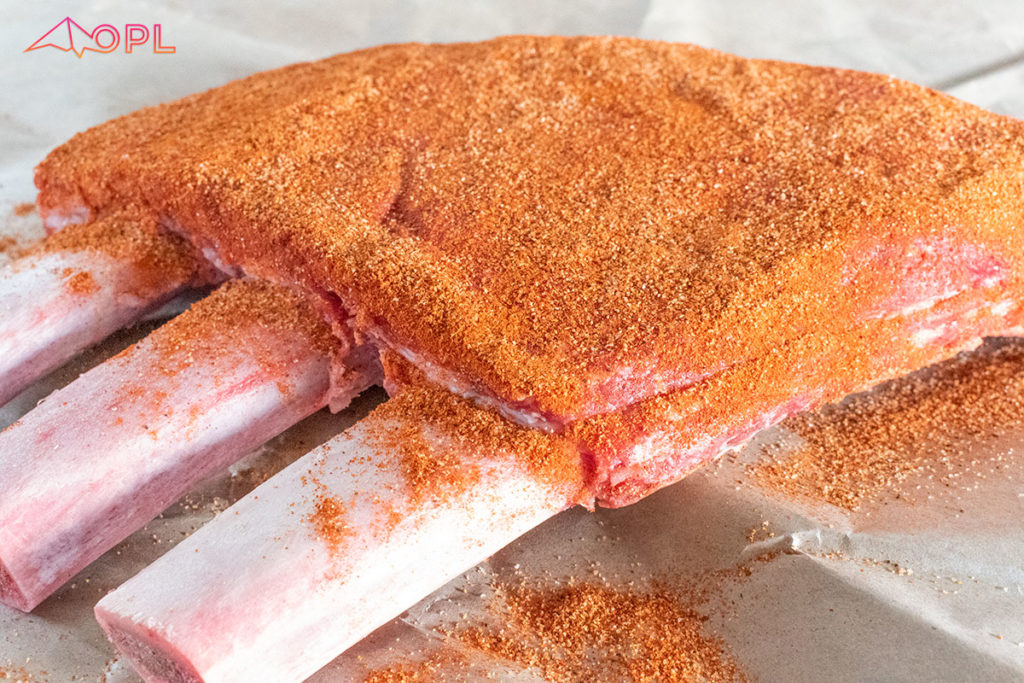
column 585, row 265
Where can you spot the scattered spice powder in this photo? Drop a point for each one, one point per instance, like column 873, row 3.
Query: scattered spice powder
column 428, row 470
column 241, row 304
column 761, row 533
column 226, row 314
column 587, row 632
column 437, row 437
column 924, row 423
column 19, row 675
column 591, row 631
column 329, row 522
column 24, row 208
column 437, row 666
column 10, row 246
column 160, row 256
column 79, row 282
column 229, row 318
column 467, row 429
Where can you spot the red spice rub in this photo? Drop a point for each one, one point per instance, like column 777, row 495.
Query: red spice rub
column 466, row 432
column 19, row 675
column 159, row 255
column 224, row 320
column 329, row 523
column 571, row 223
column 587, row 632
column 239, row 304
column 435, row 667
column 80, row 282
column 867, row 446
column 10, row 246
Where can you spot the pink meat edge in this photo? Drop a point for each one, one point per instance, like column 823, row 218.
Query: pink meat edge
column 154, row 657
column 11, row 594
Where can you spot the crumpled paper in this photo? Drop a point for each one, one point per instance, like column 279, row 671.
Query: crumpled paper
column 922, row 587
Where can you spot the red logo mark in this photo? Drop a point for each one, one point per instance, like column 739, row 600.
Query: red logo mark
column 69, row 36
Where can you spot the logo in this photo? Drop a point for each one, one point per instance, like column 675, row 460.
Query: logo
column 69, row 36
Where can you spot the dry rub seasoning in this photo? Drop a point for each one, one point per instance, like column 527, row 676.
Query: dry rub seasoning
column 159, row 256
column 329, row 522
column 434, row 667
column 923, row 423
column 10, row 246
column 224, row 316
column 19, row 675
column 432, row 471
column 80, row 282
column 539, row 213
column 588, row 632
column 226, row 319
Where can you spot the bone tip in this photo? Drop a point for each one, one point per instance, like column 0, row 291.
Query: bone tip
column 11, row 594
column 154, row 658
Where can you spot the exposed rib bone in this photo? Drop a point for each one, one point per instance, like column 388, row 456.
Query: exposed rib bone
column 80, row 286
column 338, row 543
column 101, row 457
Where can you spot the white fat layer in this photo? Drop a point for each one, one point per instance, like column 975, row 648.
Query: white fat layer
column 58, row 220
column 925, row 304
column 210, row 254
column 991, row 281
column 927, row 335
column 458, row 386
column 1003, row 308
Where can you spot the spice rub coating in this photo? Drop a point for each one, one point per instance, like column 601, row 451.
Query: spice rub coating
column 573, row 225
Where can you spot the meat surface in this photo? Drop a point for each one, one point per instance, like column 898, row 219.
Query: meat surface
column 594, row 235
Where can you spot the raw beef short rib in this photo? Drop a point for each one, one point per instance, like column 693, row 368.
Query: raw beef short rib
column 645, row 252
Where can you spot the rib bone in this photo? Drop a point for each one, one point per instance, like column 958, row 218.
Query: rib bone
column 101, row 457
column 81, row 285
column 339, row 543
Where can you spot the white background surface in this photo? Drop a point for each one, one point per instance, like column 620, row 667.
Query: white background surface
column 804, row 616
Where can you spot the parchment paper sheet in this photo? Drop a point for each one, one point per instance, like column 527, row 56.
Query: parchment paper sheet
column 835, row 601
